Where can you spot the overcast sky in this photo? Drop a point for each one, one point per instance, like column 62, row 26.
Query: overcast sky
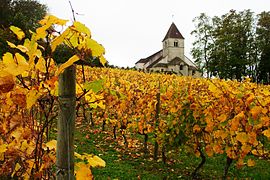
column 131, row 30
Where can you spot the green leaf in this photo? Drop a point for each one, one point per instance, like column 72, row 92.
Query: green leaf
column 95, row 86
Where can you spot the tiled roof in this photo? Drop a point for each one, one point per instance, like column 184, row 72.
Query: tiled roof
column 154, row 63
column 190, row 63
column 145, row 60
column 173, row 32
column 175, row 61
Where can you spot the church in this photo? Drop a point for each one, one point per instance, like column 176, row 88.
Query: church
column 170, row 58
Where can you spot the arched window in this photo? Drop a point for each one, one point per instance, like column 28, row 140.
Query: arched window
column 175, row 44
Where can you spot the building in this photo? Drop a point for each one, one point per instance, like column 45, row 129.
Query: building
column 171, row 57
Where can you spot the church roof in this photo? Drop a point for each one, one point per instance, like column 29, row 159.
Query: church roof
column 145, row 60
column 173, row 32
column 155, row 62
column 175, row 61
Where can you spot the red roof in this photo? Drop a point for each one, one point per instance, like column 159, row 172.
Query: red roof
column 173, row 32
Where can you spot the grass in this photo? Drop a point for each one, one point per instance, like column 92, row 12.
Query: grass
column 125, row 163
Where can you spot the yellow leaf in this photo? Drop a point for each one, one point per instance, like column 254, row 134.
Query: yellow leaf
column 94, row 161
column 54, row 91
column 3, row 148
column 51, row 144
column 101, row 105
column 240, row 163
column 30, row 164
column 8, row 59
column 250, row 162
column 24, row 145
column 218, row 149
column 59, row 39
column 242, row 137
column 246, row 148
column 97, row 49
column 31, row 98
column 212, row 88
column 83, row 171
column 17, row 167
column 220, row 133
column 14, row 67
column 267, row 133
column 196, row 128
column 17, row 134
column 21, row 61
column 71, row 60
column 209, row 150
column 41, row 65
column 77, row 155
column 81, row 28
column 197, row 153
column 72, row 40
column 222, row 118
column 41, row 32
column 50, row 19
column 22, row 48
column 102, row 60
column 19, row 33
column 11, row 44
column 255, row 111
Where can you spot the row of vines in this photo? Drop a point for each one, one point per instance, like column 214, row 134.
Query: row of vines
column 203, row 116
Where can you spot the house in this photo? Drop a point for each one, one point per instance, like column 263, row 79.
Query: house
column 171, row 57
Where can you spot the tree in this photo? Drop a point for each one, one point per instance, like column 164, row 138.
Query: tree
column 24, row 14
column 204, row 42
column 263, row 38
column 233, row 38
column 224, row 45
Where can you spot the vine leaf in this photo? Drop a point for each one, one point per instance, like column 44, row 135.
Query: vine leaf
column 51, row 144
column 250, row 162
column 19, row 33
column 31, row 98
column 71, row 60
column 95, row 86
column 267, row 133
column 81, row 28
column 83, row 171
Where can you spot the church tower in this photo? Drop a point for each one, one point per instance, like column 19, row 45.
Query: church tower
column 173, row 44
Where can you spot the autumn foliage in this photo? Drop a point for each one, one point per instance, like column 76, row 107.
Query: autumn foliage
column 203, row 116
column 29, row 102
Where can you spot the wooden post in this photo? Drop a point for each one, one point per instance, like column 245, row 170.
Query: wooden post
column 66, row 124
column 156, row 123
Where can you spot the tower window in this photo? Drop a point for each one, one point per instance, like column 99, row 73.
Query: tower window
column 175, row 44
column 181, row 67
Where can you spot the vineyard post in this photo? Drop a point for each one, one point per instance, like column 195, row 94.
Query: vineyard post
column 66, row 124
column 156, row 123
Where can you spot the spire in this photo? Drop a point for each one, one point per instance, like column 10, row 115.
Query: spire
column 173, row 32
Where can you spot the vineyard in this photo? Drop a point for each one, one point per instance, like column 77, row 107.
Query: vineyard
column 159, row 114
column 202, row 116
